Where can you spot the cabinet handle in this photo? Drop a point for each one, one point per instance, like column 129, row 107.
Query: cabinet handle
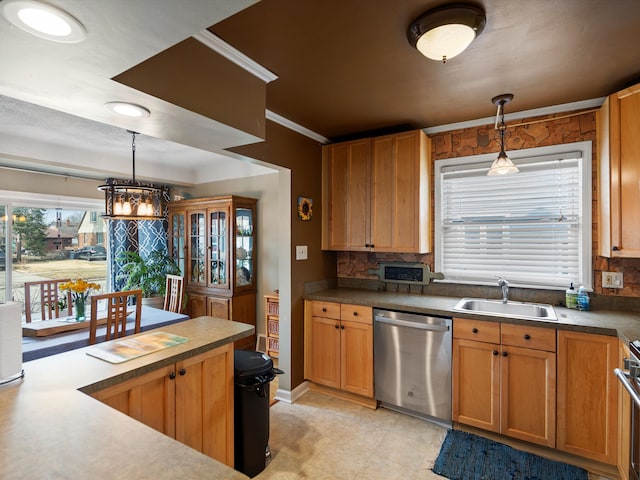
column 172, row 375
column 527, row 336
column 504, row 354
column 495, row 352
column 182, row 371
column 475, row 330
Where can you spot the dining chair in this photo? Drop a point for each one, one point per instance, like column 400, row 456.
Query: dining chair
column 116, row 314
column 174, row 293
column 50, row 295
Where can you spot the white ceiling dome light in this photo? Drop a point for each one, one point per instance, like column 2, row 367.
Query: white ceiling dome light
column 128, row 109
column 446, row 31
column 44, row 21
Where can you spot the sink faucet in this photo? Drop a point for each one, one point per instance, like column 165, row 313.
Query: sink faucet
column 505, row 288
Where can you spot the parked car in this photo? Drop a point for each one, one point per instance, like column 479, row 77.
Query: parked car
column 92, row 252
column 3, row 260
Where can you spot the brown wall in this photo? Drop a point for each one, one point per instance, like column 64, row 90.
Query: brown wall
column 549, row 130
column 303, row 157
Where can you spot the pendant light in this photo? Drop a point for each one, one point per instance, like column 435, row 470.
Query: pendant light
column 132, row 200
column 503, row 164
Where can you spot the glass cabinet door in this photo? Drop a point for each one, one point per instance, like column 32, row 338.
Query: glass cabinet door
column 218, row 231
column 197, row 239
column 245, row 245
column 177, row 246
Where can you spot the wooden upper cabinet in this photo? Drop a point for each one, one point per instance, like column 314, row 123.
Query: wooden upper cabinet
column 618, row 122
column 376, row 195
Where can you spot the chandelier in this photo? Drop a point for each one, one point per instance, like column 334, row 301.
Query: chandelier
column 133, row 200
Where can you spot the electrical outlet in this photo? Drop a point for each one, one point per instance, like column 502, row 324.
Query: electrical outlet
column 612, row 280
column 301, row 252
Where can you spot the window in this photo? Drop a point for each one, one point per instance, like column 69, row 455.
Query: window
column 533, row 228
column 93, row 217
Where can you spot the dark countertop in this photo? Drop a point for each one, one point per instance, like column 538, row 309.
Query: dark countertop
column 625, row 325
column 50, row 428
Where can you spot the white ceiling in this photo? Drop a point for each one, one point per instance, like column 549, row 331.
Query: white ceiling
column 52, row 97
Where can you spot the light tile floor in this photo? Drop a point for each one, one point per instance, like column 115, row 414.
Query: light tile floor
column 321, row 438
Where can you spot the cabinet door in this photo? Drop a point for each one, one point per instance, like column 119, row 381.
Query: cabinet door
column 346, row 184
column 325, row 351
column 476, row 384
column 196, row 254
column 356, row 358
column 218, row 247
column 399, row 193
column 218, row 307
column 196, row 305
column 204, row 403
column 244, row 252
column 619, row 174
column 587, row 395
column 177, row 233
column 149, row 399
column 624, row 419
column 528, row 395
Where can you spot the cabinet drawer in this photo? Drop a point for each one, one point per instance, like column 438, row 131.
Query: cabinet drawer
column 538, row 338
column 478, row 330
column 325, row 309
column 356, row 313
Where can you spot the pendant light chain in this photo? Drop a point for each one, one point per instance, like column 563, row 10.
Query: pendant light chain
column 133, row 154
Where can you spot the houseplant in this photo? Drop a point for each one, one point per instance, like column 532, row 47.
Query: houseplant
column 147, row 274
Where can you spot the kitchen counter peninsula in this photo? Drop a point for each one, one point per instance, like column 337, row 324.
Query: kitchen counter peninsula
column 625, row 325
column 50, row 426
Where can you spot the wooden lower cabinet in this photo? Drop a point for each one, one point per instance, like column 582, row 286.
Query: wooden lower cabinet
column 588, row 395
column 239, row 308
column 624, row 419
column 191, row 401
column 505, row 383
column 341, row 347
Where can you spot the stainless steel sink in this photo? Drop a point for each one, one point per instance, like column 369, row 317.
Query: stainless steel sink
column 533, row 311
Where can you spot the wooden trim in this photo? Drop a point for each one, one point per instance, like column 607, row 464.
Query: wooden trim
column 351, row 397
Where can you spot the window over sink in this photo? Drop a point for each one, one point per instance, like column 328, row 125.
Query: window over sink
column 533, row 228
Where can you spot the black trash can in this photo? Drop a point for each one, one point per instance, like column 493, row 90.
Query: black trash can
column 253, row 373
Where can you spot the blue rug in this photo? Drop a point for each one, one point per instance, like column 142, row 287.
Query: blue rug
column 464, row 456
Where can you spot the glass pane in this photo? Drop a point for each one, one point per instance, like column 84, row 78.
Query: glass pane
column 244, row 247
column 197, row 248
column 217, row 246
column 3, row 249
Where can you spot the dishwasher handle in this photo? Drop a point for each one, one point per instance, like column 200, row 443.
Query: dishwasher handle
column 624, row 380
column 417, row 325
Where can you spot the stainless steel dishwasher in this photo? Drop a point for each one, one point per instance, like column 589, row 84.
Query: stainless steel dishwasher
column 412, row 358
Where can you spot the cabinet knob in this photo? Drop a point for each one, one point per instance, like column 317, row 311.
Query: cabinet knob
column 504, row 354
column 355, row 314
column 182, row 371
column 336, row 326
column 495, row 352
column 372, row 246
column 527, row 336
column 342, row 327
column 615, row 249
column 172, row 375
column 324, row 310
column 475, row 330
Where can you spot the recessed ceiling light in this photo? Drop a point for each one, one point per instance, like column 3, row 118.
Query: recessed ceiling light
column 44, row 21
column 128, row 109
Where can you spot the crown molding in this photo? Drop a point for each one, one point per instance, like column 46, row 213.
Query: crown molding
column 234, row 55
column 285, row 122
column 536, row 112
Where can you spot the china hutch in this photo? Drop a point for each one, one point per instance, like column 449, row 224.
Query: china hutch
column 213, row 241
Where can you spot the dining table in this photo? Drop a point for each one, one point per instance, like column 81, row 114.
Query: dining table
column 34, row 346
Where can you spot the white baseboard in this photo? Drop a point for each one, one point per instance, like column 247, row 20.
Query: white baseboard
column 293, row 395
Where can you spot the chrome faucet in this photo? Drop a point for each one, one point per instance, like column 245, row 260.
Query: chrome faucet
column 505, row 288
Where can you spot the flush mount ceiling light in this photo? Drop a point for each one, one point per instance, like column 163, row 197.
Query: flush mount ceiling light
column 446, row 31
column 128, row 109
column 503, row 164
column 132, row 200
column 44, row 21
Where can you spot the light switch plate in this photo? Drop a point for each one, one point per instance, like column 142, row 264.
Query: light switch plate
column 301, row 252
column 612, row 280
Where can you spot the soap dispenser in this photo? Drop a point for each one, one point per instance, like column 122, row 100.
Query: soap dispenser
column 583, row 299
column 571, row 297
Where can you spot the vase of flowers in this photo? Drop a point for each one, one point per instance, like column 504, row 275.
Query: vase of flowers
column 80, row 290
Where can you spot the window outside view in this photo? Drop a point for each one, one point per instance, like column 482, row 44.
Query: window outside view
column 46, row 244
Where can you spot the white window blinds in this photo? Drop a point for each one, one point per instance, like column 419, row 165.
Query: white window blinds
column 527, row 227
